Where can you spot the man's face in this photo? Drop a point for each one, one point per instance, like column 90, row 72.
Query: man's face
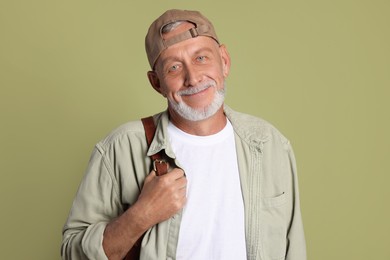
column 191, row 75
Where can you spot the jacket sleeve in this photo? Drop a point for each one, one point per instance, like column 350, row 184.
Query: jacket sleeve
column 96, row 203
column 296, row 245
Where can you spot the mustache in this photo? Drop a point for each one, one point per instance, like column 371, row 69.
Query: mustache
column 198, row 88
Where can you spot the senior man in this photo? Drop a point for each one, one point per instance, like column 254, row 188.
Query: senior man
column 230, row 190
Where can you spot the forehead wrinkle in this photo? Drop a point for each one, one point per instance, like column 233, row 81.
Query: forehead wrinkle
column 203, row 49
column 171, row 58
column 190, row 47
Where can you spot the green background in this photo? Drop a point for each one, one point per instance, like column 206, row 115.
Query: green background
column 71, row 71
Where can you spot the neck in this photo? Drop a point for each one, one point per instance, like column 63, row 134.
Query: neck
column 209, row 126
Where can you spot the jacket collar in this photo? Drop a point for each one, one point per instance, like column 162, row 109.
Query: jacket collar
column 247, row 127
column 251, row 129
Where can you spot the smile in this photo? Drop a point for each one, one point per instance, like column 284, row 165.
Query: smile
column 197, row 89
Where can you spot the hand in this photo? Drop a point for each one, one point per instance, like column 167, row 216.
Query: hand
column 162, row 196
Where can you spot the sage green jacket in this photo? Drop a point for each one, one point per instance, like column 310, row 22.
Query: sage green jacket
column 120, row 163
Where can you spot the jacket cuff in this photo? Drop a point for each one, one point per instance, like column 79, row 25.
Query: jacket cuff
column 92, row 242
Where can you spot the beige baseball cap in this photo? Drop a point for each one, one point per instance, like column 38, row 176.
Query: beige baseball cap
column 154, row 42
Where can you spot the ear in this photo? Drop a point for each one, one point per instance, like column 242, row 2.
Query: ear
column 225, row 60
column 154, row 81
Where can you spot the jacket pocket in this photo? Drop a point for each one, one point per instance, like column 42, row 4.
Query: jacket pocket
column 274, row 227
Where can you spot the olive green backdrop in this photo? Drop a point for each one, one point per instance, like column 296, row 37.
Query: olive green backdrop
column 70, row 71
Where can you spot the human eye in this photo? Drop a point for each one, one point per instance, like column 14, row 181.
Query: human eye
column 201, row 58
column 173, row 68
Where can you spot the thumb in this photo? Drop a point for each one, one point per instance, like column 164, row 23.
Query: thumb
column 150, row 176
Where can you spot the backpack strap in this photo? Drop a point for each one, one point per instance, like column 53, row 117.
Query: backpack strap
column 160, row 166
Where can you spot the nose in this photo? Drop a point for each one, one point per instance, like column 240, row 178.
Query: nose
column 192, row 76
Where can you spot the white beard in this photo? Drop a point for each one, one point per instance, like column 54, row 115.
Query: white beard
column 193, row 114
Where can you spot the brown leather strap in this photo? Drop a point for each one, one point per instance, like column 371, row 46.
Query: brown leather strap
column 159, row 166
column 150, row 129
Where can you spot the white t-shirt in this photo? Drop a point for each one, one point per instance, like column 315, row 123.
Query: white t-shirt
column 213, row 225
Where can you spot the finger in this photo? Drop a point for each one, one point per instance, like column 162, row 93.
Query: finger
column 183, row 191
column 150, row 176
column 177, row 173
column 181, row 182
